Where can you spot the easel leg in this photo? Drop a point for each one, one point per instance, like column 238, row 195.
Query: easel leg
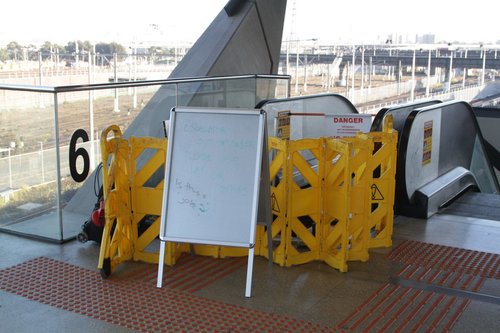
column 160, row 265
column 248, row 290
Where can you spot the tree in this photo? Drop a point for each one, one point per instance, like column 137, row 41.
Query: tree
column 70, row 47
column 4, row 55
column 118, row 48
column 14, row 50
column 107, row 48
column 48, row 49
column 30, row 52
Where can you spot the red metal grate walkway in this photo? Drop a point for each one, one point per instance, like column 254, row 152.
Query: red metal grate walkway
column 139, row 306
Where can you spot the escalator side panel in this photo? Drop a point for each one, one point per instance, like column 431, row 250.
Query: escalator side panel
column 435, row 140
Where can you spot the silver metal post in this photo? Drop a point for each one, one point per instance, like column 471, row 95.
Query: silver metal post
column 484, row 65
column 287, row 57
column 43, row 165
column 412, row 96
column 465, row 72
column 40, row 77
column 450, row 75
column 353, row 71
column 91, row 116
column 370, row 74
column 58, row 167
column 116, row 107
column 362, row 70
column 134, row 103
column 305, row 72
column 10, row 169
column 297, row 70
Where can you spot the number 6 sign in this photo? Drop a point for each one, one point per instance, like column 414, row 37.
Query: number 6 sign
column 74, row 153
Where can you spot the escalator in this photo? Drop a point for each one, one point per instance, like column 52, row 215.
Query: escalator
column 443, row 166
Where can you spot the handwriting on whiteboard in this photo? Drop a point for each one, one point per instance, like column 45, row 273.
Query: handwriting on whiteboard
column 188, row 195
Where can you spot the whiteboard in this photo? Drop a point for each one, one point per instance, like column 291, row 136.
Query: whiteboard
column 212, row 178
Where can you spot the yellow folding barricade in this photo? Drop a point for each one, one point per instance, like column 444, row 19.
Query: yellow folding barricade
column 278, row 166
column 119, row 235
column 146, row 193
column 333, row 210
column 359, row 196
column 336, row 205
column 321, row 209
column 383, row 170
column 303, row 201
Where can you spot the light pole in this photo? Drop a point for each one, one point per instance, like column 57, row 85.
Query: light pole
column 40, row 77
column 305, row 72
column 465, row 72
column 353, row 72
column 412, row 95
column 134, row 103
column 116, row 107
column 428, row 88
column 362, row 69
column 287, row 63
column 450, row 74
column 484, row 66
column 371, row 72
column 297, row 69
column 296, row 59
column 91, row 109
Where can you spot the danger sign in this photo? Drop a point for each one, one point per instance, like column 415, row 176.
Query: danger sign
column 341, row 126
column 283, row 126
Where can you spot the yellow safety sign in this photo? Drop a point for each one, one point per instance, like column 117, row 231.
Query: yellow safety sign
column 283, row 128
column 427, row 149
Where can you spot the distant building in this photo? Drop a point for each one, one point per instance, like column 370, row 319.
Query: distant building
column 394, row 39
column 426, row 39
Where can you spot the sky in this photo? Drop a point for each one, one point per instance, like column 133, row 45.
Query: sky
column 179, row 21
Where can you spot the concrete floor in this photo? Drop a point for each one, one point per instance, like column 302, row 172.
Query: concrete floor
column 313, row 293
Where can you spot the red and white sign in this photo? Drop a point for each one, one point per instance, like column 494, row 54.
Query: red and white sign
column 342, row 126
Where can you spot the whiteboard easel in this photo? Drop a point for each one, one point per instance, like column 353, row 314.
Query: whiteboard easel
column 212, row 180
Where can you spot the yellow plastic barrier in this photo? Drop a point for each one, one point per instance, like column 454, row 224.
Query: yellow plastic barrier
column 277, row 167
column 336, row 203
column 331, row 200
column 145, row 191
column 359, row 196
column 119, row 236
column 383, row 169
column 343, row 206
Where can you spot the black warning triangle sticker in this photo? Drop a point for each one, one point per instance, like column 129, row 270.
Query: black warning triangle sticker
column 274, row 204
column 376, row 194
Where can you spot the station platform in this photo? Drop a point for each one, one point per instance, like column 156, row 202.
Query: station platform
column 441, row 275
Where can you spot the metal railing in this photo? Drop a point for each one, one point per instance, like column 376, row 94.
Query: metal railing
column 48, row 134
